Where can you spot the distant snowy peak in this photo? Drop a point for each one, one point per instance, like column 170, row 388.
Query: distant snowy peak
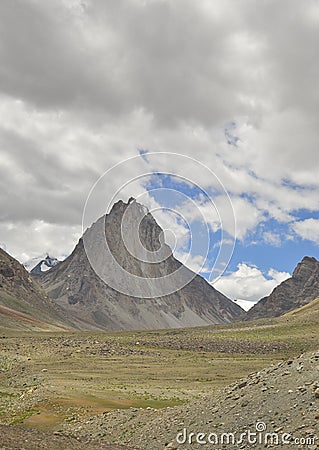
column 41, row 264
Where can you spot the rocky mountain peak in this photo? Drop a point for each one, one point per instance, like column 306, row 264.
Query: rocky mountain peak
column 299, row 290
column 44, row 264
column 305, row 268
column 128, row 215
column 122, row 275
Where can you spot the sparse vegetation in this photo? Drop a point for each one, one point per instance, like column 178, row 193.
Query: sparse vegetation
column 50, row 379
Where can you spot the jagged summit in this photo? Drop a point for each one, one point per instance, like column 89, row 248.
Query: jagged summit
column 305, row 267
column 299, row 290
column 40, row 263
column 122, row 204
column 127, row 250
column 44, row 265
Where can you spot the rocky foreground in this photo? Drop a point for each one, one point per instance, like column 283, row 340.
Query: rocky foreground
column 282, row 400
column 18, row 438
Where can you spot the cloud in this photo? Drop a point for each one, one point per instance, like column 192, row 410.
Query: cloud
column 195, row 263
column 103, row 56
column 307, row 229
column 217, row 62
column 249, row 283
column 272, row 238
column 84, row 85
column 29, row 240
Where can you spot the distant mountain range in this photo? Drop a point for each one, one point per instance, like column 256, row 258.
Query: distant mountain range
column 40, row 264
column 73, row 296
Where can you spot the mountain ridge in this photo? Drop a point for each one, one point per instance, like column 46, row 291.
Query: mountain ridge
column 295, row 292
column 23, row 303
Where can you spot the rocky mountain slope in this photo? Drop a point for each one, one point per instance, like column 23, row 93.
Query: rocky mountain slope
column 300, row 289
column 23, row 303
column 304, row 314
column 93, row 304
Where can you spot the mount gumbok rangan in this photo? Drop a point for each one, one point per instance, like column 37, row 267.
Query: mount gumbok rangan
column 165, row 293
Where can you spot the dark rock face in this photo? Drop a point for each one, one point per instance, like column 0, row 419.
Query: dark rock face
column 93, row 304
column 19, row 293
column 300, row 289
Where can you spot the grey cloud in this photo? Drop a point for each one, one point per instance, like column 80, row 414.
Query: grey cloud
column 36, row 184
column 170, row 58
column 175, row 58
column 167, row 58
column 45, row 61
column 290, row 33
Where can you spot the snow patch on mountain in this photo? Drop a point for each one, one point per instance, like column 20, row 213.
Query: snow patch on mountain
column 40, row 264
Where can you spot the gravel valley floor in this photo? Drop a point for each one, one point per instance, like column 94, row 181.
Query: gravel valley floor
column 282, row 399
column 163, row 389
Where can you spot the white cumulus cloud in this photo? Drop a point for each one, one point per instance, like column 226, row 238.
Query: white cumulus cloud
column 307, row 229
column 249, row 283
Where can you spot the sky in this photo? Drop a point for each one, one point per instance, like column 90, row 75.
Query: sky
column 214, row 100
